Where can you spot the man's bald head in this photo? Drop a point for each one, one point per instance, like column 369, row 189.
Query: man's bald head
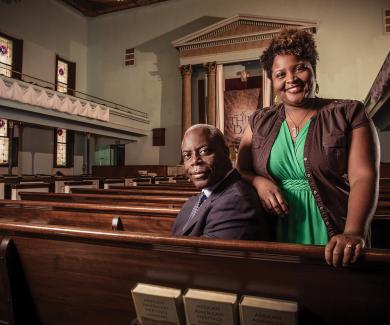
column 214, row 134
column 205, row 155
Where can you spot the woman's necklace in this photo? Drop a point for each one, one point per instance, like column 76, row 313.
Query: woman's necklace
column 295, row 130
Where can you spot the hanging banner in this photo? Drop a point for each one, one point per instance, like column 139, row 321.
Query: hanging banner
column 239, row 106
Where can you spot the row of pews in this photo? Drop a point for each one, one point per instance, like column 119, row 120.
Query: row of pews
column 11, row 186
column 380, row 226
column 74, row 258
column 173, row 195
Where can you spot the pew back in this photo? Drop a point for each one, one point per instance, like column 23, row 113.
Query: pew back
column 85, row 277
column 85, row 216
column 140, row 200
column 32, row 187
column 136, row 191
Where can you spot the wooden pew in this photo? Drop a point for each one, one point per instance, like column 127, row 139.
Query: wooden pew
column 69, row 186
column 383, row 207
column 172, row 187
column 380, row 229
column 134, row 181
column 78, row 276
column 107, row 183
column 136, row 191
column 8, row 183
column 15, row 189
column 131, row 218
column 173, row 184
column 103, row 207
column 2, row 189
column 380, row 226
column 141, row 200
column 141, row 180
column 59, row 181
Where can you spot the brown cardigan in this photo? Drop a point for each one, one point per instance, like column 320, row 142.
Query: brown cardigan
column 325, row 152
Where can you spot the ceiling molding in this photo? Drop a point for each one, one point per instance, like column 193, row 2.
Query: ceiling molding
column 93, row 8
column 239, row 35
column 231, row 23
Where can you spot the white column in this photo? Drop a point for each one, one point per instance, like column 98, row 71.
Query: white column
column 267, row 91
column 220, row 116
column 20, row 148
column 211, row 108
column 186, row 72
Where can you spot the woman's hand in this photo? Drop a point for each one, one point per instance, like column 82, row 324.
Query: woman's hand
column 343, row 249
column 271, row 196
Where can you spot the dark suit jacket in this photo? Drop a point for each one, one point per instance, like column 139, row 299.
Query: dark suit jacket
column 232, row 211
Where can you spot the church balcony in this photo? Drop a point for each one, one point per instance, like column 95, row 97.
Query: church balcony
column 29, row 102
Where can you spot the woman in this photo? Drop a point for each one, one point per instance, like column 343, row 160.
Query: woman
column 313, row 161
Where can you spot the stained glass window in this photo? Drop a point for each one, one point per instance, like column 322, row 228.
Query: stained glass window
column 6, row 49
column 4, row 141
column 61, row 147
column 62, row 76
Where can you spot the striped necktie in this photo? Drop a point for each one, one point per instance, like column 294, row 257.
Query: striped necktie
column 201, row 199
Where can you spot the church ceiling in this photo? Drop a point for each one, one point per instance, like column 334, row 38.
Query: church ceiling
column 93, row 8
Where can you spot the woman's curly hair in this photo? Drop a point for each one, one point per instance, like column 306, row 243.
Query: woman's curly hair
column 290, row 41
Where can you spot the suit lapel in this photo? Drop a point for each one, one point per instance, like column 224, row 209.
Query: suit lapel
column 204, row 208
column 198, row 215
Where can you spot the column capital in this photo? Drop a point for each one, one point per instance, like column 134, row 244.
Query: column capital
column 186, row 70
column 211, row 67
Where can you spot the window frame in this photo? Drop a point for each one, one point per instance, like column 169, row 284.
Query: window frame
column 17, row 55
column 15, row 147
column 71, row 85
column 386, row 17
column 69, row 149
column 130, row 57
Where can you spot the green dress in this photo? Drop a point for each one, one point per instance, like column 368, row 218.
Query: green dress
column 303, row 224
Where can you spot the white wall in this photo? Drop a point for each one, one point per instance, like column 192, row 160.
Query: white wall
column 153, row 84
column 47, row 28
column 350, row 39
column 37, row 152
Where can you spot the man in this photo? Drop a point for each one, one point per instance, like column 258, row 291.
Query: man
column 227, row 207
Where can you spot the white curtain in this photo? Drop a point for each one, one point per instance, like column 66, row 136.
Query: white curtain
column 34, row 95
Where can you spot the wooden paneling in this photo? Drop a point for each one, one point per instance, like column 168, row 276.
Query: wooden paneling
column 85, row 277
column 159, row 137
column 385, row 170
column 127, row 171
